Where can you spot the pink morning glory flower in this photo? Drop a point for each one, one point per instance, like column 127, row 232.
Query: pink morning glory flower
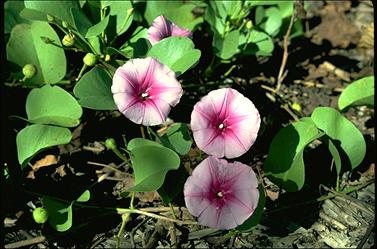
column 221, row 194
column 162, row 28
column 225, row 123
column 144, row 90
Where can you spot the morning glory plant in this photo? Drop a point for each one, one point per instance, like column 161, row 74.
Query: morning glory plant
column 221, row 194
column 162, row 28
column 225, row 123
column 144, row 90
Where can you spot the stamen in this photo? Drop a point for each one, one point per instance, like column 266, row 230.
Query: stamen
column 219, row 194
column 221, row 126
column 144, row 95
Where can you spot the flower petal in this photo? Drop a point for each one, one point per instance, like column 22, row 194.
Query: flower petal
column 160, row 29
column 237, row 113
column 178, row 31
column 156, row 112
column 236, row 181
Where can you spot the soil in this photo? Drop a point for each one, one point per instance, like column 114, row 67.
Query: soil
column 333, row 52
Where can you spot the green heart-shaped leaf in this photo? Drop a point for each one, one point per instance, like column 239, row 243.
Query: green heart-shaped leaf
column 25, row 46
column 140, row 142
column 97, row 28
column 34, row 138
column 226, row 47
column 360, row 92
column 52, row 105
column 343, row 133
column 177, row 138
column 59, row 214
column 150, row 164
column 285, row 163
column 84, row 197
column 94, row 90
column 176, row 52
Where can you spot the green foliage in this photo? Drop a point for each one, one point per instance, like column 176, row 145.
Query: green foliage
column 226, row 47
column 123, row 15
column 177, row 52
column 98, row 28
column 25, row 46
column 150, row 163
column 177, row 138
column 11, row 15
column 360, row 92
column 285, row 163
column 34, row 138
column 61, row 213
column 138, row 45
column 343, row 132
column 44, row 106
column 94, row 90
column 40, row 215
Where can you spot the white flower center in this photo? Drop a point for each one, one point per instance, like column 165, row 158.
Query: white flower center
column 219, row 194
column 144, row 95
column 221, row 126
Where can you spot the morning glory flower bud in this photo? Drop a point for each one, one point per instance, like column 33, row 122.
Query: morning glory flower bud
column 40, row 215
column 29, row 70
column 50, row 18
column 249, row 24
column 90, row 59
column 111, row 144
column 68, row 40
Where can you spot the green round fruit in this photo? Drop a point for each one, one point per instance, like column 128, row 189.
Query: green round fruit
column 40, row 215
column 29, row 70
column 90, row 59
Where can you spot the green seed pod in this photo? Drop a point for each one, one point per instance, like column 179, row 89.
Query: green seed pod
column 50, row 18
column 111, row 144
column 90, row 59
column 29, row 70
column 40, row 215
column 68, row 40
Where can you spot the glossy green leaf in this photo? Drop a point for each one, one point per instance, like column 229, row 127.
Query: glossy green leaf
column 177, row 138
column 57, row 9
column 81, row 22
column 263, row 42
column 285, row 163
column 273, row 22
column 173, row 185
column 176, row 52
column 138, row 45
column 25, row 46
column 360, row 92
column 140, row 142
column 94, row 90
column 335, row 154
column 254, row 219
column 183, row 16
column 45, row 106
column 98, row 28
column 156, row 8
column 84, row 197
column 259, row 14
column 59, row 214
column 120, row 9
column 286, row 8
column 343, row 132
column 150, row 164
column 34, row 138
column 12, row 16
column 226, row 47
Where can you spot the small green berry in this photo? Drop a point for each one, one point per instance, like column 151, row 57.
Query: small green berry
column 90, row 59
column 29, row 70
column 40, row 215
column 68, row 40
column 249, row 24
column 110, row 144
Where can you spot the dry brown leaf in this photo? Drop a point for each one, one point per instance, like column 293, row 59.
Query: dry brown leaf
column 61, row 171
column 44, row 162
column 272, row 195
column 370, row 171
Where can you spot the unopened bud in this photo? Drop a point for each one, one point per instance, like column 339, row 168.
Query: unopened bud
column 111, row 144
column 249, row 24
column 68, row 40
column 29, row 70
column 65, row 24
column 50, row 18
column 107, row 57
column 90, row 59
column 40, row 215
